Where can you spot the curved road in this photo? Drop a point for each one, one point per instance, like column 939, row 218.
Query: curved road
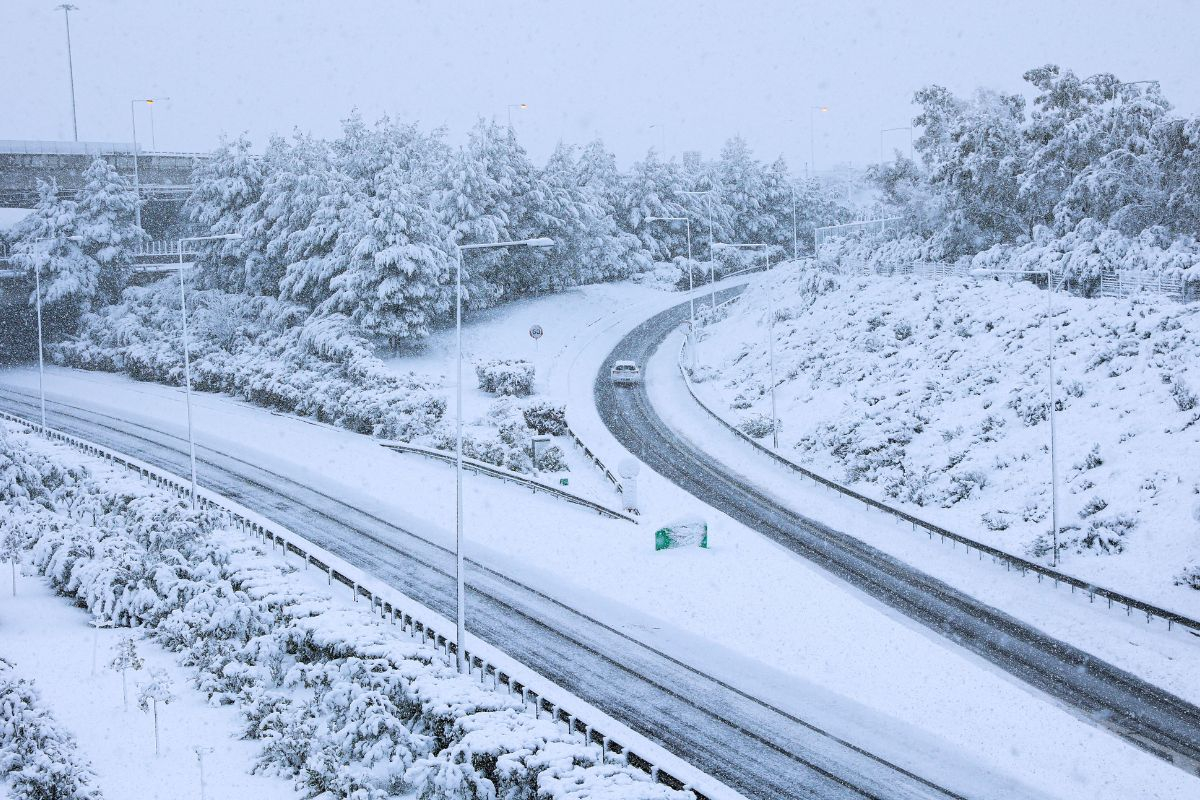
column 1151, row 718
column 748, row 744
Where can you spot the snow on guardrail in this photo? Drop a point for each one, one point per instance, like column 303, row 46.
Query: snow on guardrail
column 390, row 603
column 1010, row 561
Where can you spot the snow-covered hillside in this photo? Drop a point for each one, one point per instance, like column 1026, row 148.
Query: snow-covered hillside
column 932, row 395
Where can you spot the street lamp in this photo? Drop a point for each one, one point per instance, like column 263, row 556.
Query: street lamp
column 187, row 356
column 691, row 285
column 712, row 270
column 511, row 106
column 770, row 341
column 37, row 292
column 1051, row 286
column 892, row 130
column 458, row 473
column 153, row 141
column 137, row 185
column 812, row 136
column 67, row 8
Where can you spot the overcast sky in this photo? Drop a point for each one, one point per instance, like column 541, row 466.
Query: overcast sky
column 698, row 71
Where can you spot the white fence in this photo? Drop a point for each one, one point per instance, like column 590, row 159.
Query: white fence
column 852, row 229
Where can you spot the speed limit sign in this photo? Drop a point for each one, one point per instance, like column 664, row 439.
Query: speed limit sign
column 536, row 332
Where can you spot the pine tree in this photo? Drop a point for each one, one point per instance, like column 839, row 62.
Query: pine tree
column 106, row 224
column 396, row 268
column 224, row 187
column 46, row 244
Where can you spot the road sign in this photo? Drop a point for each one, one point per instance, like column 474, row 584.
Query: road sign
column 536, row 332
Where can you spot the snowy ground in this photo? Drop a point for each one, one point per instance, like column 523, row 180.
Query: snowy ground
column 931, row 395
column 52, row 643
column 503, row 333
column 834, row 657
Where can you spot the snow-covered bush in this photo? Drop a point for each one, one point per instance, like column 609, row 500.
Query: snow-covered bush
column 506, row 376
column 546, row 418
column 38, row 757
column 259, row 349
column 756, row 426
column 1189, row 576
column 552, row 459
column 342, row 702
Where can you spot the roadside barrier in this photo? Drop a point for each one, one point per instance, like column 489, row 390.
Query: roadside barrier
column 389, row 607
column 509, row 476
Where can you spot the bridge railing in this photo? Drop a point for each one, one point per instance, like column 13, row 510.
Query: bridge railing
column 50, row 148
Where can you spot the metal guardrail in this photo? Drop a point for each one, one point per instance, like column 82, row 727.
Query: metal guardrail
column 1010, row 561
column 849, row 228
column 387, row 606
column 505, row 474
column 56, row 148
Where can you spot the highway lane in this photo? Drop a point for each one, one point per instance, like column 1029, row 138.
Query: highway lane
column 746, row 742
column 1151, row 718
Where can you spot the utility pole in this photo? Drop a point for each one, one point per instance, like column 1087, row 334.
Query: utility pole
column 67, row 8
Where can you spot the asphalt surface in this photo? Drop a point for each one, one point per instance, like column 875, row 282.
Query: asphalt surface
column 745, row 742
column 1145, row 715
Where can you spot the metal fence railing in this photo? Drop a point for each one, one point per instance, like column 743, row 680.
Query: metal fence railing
column 852, row 229
column 1011, row 562
column 389, row 606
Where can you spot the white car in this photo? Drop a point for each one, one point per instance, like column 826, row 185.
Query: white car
column 626, row 373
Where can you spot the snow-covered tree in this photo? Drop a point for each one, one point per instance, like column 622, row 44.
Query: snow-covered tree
column 46, row 243
column 106, row 225
column 224, row 186
column 153, row 693
column 11, row 545
column 394, row 261
column 126, row 659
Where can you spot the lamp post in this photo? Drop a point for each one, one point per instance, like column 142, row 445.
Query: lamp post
column 187, row 356
column 511, row 106
column 67, row 8
column 812, row 136
column 37, row 293
column 691, row 285
column 1051, row 286
column 892, row 130
column 770, row 340
column 137, row 184
column 458, row 473
column 712, row 269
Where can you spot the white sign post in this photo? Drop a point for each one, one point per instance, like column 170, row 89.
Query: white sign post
column 535, row 333
column 628, row 469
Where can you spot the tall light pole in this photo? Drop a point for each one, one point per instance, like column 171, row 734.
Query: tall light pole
column 153, row 141
column 511, row 106
column 891, row 130
column 187, row 356
column 137, row 185
column 67, row 8
column 712, row 268
column 795, row 238
column 812, row 135
column 37, row 293
column 691, row 285
column 770, row 338
column 662, row 131
column 1051, row 286
column 459, row 577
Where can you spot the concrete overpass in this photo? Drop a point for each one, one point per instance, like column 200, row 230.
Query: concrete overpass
column 164, row 178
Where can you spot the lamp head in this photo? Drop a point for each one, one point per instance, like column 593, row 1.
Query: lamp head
column 541, row 241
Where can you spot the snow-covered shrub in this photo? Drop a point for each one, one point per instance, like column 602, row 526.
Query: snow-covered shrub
column 552, row 459
column 506, row 376
column 38, row 757
column 260, row 349
column 1184, row 397
column 546, row 418
column 1189, row 576
column 756, row 426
